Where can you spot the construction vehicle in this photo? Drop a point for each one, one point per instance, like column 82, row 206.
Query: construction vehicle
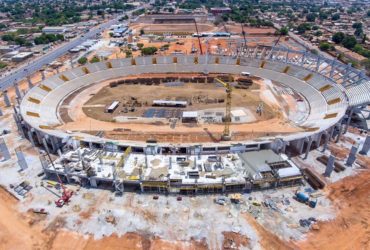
column 66, row 194
column 226, row 136
column 304, row 198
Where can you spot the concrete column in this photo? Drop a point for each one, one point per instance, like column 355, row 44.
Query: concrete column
column 30, row 137
column 17, row 91
column 30, row 85
column 348, row 121
column 325, row 146
column 300, row 150
column 329, row 166
column 339, row 133
column 6, row 98
column 21, row 160
column 366, row 146
column 352, row 156
column 93, row 182
column 54, row 144
column 45, row 144
column 19, row 125
column 38, row 135
column 331, row 133
column 308, row 148
column 4, row 151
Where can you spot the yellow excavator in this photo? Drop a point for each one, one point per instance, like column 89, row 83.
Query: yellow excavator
column 226, row 135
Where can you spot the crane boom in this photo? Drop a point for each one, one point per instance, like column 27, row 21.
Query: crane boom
column 226, row 136
column 200, row 45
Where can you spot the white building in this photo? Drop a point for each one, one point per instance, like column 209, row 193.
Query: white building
column 54, row 30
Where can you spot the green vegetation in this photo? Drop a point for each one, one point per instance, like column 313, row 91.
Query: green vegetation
column 82, row 60
column 140, row 45
column 128, row 53
column 349, row 42
column 95, row 59
column 148, row 51
column 338, row 37
column 3, row 65
column 48, row 38
column 303, row 27
column 325, row 46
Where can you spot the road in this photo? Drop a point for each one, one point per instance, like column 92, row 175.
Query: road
column 24, row 71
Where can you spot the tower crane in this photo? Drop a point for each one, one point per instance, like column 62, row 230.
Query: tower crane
column 226, row 135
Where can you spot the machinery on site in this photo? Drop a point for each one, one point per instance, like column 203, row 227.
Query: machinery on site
column 304, row 198
column 226, row 135
column 200, row 44
column 66, row 194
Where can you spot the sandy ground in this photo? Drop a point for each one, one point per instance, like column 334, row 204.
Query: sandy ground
column 350, row 229
column 162, row 131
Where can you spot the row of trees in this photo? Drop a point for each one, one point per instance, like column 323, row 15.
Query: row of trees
column 43, row 39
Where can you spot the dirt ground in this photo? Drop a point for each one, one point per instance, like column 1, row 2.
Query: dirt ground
column 28, row 231
column 161, row 130
column 350, row 229
column 195, row 94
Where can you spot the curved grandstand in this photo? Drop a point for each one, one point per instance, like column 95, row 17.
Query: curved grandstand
column 329, row 88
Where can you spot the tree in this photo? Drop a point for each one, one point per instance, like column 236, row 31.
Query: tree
column 311, row 17
column 82, row 60
column 349, row 42
column 303, row 27
column 3, row 65
column 338, row 37
column 95, row 59
column 128, row 53
column 140, row 45
column 284, row 31
column 335, row 17
column 325, row 46
column 357, row 25
column 148, row 51
column 358, row 32
column 318, row 33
